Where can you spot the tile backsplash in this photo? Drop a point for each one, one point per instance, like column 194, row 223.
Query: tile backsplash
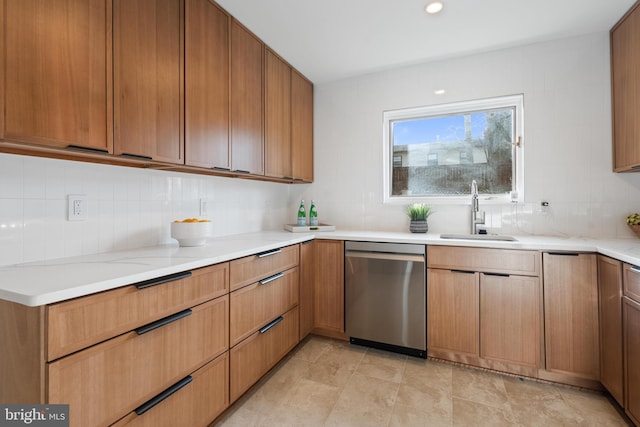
column 128, row 207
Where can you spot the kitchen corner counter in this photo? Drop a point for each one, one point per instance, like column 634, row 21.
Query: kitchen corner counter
column 46, row 282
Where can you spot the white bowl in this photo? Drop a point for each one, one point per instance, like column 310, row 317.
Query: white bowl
column 191, row 233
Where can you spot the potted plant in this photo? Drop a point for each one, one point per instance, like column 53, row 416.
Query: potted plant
column 418, row 214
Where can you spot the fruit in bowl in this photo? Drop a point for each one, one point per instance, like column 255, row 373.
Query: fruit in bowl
column 633, row 219
column 191, row 231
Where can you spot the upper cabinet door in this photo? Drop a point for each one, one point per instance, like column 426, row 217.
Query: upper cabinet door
column 57, row 79
column 247, row 101
column 301, row 127
column 206, row 85
column 625, row 69
column 148, row 79
column 278, row 117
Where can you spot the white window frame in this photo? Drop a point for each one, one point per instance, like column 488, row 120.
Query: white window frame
column 516, row 101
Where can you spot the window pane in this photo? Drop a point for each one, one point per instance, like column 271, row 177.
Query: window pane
column 441, row 155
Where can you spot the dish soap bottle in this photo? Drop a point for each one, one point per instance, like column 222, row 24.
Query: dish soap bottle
column 302, row 215
column 313, row 215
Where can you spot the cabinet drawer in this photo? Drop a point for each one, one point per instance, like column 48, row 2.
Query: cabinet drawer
column 632, row 282
column 256, row 305
column 106, row 381
column 485, row 260
column 245, row 271
column 75, row 324
column 251, row 359
column 197, row 403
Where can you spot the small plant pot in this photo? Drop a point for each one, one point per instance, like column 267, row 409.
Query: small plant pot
column 418, row 226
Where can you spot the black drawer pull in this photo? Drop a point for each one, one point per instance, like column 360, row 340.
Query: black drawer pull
column 463, row 271
column 164, row 279
column 271, row 278
column 219, row 168
column 162, row 396
column 496, row 274
column 268, row 253
column 136, row 156
column 87, row 149
column 162, row 322
column 241, row 171
column 271, row 325
column 564, row 253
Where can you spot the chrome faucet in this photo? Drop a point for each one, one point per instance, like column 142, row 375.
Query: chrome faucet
column 477, row 216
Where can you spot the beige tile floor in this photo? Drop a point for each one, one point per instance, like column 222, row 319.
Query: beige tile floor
column 326, row 382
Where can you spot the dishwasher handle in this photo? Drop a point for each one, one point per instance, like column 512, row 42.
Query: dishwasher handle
column 385, row 256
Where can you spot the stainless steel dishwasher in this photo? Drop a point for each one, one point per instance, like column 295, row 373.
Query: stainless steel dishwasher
column 385, row 296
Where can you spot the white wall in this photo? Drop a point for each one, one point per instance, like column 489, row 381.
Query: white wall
column 566, row 87
column 128, row 207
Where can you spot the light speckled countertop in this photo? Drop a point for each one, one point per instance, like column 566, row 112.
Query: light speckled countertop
column 45, row 282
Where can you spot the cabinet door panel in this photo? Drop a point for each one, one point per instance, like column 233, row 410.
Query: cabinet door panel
column 610, row 295
column 196, row 404
column 307, row 274
column 510, row 319
column 571, row 315
column 301, row 127
column 278, row 117
column 329, row 286
column 625, row 69
column 78, row 323
column 631, row 311
column 105, row 382
column 57, row 74
column 452, row 311
column 148, row 76
column 255, row 305
column 207, row 85
column 252, row 358
column 247, row 101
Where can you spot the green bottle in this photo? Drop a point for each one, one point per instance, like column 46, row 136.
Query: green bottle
column 313, row 215
column 302, row 215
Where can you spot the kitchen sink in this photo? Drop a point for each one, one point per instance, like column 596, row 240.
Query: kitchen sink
column 498, row 237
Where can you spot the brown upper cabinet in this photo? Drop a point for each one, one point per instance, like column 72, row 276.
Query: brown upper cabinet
column 625, row 81
column 148, row 70
column 277, row 117
column 301, row 127
column 150, row 83
column 206, row 85
column 247, row 101
column 57, row 81
column 289, row 121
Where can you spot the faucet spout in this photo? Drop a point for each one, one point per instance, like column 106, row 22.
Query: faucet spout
column 477, row 216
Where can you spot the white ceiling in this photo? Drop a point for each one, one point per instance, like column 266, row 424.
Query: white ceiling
column 333, row 39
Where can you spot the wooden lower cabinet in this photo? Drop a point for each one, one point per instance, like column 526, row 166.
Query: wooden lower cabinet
column 610, row 308
column 256, row 305
column 253, row 357
column 631, row 316
column 453, row 314
column 195, row 404
column 571, row 318
column 112, row 378
column 510, row 322
column 329, row 287
column 307, row 279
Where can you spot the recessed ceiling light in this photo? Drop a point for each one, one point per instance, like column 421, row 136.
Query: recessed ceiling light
column 434, row 7
column 439, row 92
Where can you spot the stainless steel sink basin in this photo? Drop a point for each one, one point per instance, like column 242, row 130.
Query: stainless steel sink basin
column 498, row 237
